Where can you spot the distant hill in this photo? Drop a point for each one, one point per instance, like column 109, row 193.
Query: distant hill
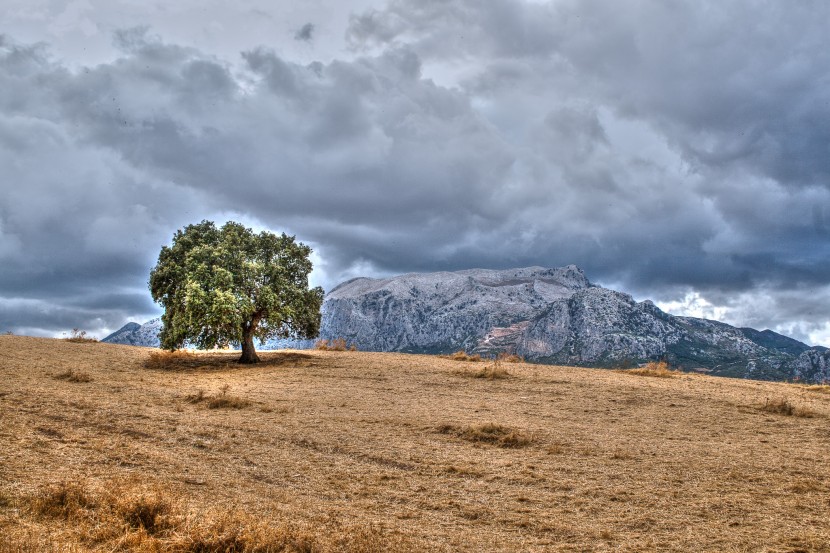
column 546, row 315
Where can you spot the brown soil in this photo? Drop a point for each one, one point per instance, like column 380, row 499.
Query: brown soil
column 352, row 451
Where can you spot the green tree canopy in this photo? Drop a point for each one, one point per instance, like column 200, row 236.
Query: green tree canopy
column 229, row 285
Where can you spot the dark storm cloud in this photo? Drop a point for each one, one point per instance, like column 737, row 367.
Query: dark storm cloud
column 305, row 33
column 667, row 149
column 733, row 201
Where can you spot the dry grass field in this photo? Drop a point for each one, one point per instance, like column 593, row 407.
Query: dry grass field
column 104, row 449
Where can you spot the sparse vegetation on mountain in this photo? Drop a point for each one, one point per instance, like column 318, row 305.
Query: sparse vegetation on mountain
column 229, row 285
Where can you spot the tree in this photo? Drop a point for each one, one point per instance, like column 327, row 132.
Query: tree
column 229, row 285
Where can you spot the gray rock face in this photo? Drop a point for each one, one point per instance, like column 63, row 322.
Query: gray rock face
column 812, row 366
column 438, row 312
column 545, row 315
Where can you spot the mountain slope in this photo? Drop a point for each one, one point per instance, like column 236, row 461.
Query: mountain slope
column 546, row 315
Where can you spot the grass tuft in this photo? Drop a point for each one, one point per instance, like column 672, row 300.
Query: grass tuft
column 819, row 388
column 149, row 511
column 71, row 375
column 462, row 355
column 63, row 500
column 505, row 357
column 782, row 406
column 222, row 400
column 490, row 433
column 493, row 372
column 659, row 369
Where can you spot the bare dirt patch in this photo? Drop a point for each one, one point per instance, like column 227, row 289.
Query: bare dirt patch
column 341, row 451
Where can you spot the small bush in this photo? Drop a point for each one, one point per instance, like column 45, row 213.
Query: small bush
column 337, row 344
column 71, row 375
column 462, row 355
column 490, row 433
column 80, row 337
column 659, row 369
column 783, row 407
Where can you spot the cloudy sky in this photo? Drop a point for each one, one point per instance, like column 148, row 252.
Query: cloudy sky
column 675, row 150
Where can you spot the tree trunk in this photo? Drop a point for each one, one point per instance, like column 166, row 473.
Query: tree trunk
column 249, row 355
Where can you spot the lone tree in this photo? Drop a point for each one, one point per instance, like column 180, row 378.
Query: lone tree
column 228, row 285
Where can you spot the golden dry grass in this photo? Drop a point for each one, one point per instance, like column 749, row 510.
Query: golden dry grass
column 343, row 451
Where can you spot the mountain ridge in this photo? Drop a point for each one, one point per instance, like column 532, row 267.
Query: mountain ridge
column 547, row 315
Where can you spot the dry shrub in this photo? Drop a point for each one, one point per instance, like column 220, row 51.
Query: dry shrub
column 510, row 358
column 80, row 337
column 783, row 407
column 658, row 369
column 71, row 375
column 337, row 344
column 172, row 360
column 461, row 355
column 490, row 433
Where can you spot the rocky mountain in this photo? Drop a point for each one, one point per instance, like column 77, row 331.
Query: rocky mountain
column 548, row 316
column 134, row 334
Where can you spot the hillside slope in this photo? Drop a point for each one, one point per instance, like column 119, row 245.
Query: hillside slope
column 379, row 452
